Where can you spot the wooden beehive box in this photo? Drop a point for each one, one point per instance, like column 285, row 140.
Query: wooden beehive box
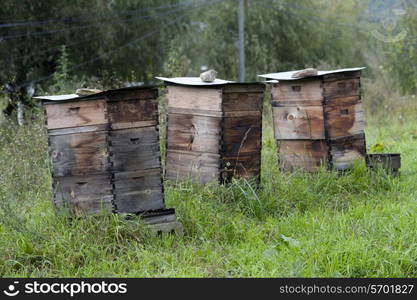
column 214, row 130
column 318, row 121
column 105, row 151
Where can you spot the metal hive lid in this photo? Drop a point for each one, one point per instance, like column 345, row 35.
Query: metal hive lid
column 288, row 75
column 53, row 98
column 193, row 81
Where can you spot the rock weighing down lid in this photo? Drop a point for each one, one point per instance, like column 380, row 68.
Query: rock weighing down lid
column 193, row 81
column 288, row 75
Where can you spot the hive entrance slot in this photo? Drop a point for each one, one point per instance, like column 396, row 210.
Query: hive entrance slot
column 134, row 140
column 74, row 109
column 296, row 88
column 344, row 111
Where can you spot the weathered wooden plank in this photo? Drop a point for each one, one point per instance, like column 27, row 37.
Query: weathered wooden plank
column 193, row 133
column 128, row 182
column 193, row 166
column 239, row 114
column 345, row 151
column 341, row 88
column 139, row 200
column 244, row 88
column 167, row 227
column 308, row 155
column 300, row 90
column 90, row 194
column 118, row 126
column 83, row 129
column 135, row 149
column 74, row 114
column 163, row 216
column 132, row 94
column 241, row 102
column 343, row 100
column 195, row 112
column 344, row 120
column 79, row 154
column 295, row 123
column 390, row 161
column 123, row 114
column 242, row 135
column 341, row 76
column 241, row 166
column 195, row 98
column 276, row 103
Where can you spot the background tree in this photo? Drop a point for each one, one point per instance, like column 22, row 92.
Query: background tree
column 110, row 42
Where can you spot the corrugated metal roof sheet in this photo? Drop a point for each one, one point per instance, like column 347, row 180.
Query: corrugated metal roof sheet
column 193, row 81
column 288, row 75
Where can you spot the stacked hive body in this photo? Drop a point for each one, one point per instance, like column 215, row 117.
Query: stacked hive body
column 318, row 120
column 105, row 151
column 214, row 131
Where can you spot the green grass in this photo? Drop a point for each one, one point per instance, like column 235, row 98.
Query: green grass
column 360, row 224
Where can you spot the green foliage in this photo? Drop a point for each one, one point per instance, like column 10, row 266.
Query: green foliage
column 377, row 148
column 402, row 55
column 278, row 37
column 63, row 82
column 102, row 39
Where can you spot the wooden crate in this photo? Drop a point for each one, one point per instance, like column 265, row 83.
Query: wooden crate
column 105, row 153
column 214, row 132
column 318, row 120
column 391, row 162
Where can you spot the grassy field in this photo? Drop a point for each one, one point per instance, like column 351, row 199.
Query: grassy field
column 360, row 224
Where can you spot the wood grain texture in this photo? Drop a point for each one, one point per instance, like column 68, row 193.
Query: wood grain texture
column 195, row 98
column 341, row 76
column 90, row 194
column 308, row 155
column 193, row 133
column 75, row 114
column 194, row 166
column 135, row 149
column 241, row 102
column 79, row 154
column 384, row 160
column 295, row 123
column 242, row 135
column 341, row 88
column 345, row 152
column 299, row 90
column 244, row 88
column 344, row 120
column 132, row 94
column 127, row 182
column 139, row 200
column 195, row 112
column 133, row 113
column 241, row 166
column 82, row 129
